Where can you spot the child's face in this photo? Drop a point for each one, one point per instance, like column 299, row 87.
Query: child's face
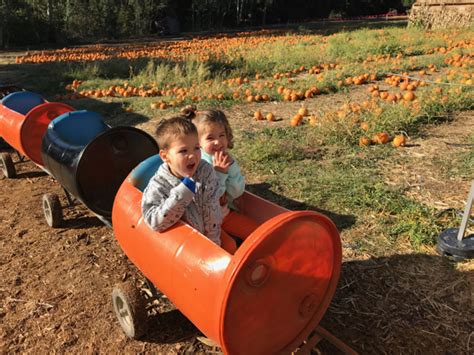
column 183, row 156
column 213, row 138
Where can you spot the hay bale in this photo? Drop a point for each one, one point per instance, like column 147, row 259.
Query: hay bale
column 435, row 14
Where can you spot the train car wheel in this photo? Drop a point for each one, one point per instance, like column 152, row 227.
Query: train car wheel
column 6, row 164
column 52, row 210
column 130, row 309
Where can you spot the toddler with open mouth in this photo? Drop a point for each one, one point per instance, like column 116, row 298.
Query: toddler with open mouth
column 185, row 186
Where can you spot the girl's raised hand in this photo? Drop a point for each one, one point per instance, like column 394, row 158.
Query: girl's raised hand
column 222, row 162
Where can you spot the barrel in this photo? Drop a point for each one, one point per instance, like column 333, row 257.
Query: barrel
column 266, row 298
column 90, row 159
column 24, row 118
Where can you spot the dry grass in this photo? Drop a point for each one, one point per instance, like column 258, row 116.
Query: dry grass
column 411, row 303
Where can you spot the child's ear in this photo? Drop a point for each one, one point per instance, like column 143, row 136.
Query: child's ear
column 163, row 155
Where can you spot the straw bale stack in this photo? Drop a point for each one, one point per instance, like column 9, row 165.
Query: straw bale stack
column 438, row 14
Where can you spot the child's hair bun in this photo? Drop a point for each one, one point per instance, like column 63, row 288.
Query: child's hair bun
column 188, row 111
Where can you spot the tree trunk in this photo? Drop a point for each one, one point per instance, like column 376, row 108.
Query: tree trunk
column 49, row 13
column 240, row 9
column 264, row 17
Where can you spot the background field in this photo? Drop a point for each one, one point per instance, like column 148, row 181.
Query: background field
column 395, row 294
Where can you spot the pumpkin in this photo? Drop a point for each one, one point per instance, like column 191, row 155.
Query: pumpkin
column 258, row 115
column 270, row 117
column 409, row 96
column 364, row 125
column 399, row 140
column 313, row 120
column 381, row 138
column 303, row 111
column 364, row 141
column 296, row 120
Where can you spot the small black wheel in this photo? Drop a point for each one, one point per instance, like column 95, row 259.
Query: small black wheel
column 52, row 210
column 6, row 164
column 130, row 309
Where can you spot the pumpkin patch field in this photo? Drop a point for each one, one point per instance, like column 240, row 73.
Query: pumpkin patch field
column 373, row 127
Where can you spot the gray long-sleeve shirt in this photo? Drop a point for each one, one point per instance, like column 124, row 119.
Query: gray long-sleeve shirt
column 166, row 200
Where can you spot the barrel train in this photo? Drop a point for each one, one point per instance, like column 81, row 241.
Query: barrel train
column 268, row 297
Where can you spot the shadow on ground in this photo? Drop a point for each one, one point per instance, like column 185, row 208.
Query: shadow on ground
column 264, row 190
column 170, row 327
column 413, row 303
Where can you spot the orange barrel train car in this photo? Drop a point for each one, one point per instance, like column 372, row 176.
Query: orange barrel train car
column 268, row 297
column 90, row 160
column 5, row 90
column 24, row 118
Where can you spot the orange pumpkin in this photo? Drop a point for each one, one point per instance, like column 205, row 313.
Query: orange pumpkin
column 399, row 140
column 313, row 120
column 270, row 117
column 381, row 138
column 409, row 96
column 258, row 115
column 303, row 111
column 364, row 141
column 296, row 120
column 364, row 125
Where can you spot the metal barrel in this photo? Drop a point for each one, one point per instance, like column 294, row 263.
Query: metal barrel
column 90, row 159
column 266, row 298
column 22, row 101
column 24, row 117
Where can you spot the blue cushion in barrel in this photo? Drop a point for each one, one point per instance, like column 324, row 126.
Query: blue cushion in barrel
column 22, row 101
column 141, row 175
column 78, row 127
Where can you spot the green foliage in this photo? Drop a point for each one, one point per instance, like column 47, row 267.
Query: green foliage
column 182, row 74
column 298, row 165
column 267, row 145
column 118, row 68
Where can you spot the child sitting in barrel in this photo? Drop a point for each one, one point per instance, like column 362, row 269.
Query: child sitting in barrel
column 216, row 138
column 184, row 187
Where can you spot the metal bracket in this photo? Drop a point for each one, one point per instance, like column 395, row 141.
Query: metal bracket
column 69, row 198
column 322, row 334
column 154, row 291
column 467, row 212
column 20, row 157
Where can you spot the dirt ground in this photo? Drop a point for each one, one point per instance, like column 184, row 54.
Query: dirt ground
column 55, row 294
